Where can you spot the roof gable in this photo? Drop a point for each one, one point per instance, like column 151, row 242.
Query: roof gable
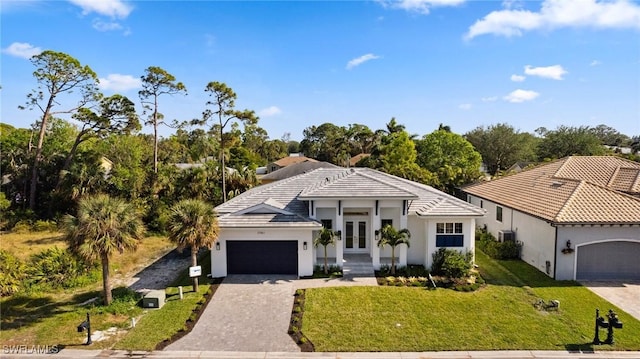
column 354, row 184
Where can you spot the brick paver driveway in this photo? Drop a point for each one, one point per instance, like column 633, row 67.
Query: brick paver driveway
column 624, row 294
column 247, row 313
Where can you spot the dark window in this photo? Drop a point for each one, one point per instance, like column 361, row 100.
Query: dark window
column 386, row 222
column 362, row 234
column 498, row 213
column 449, row 240
column 481, row 204
column 327, row 223
column 349, row 235
column 449, row 228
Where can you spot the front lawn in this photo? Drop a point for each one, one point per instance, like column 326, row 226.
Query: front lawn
column 500, row 316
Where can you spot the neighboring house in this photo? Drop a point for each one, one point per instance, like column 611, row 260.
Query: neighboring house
column 294, row 170
column 519, row 167
column 355, row 159
column 271, row 228
column 292, row 159
column 577, row 217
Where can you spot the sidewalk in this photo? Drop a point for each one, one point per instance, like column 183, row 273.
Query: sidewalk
column 517, row 354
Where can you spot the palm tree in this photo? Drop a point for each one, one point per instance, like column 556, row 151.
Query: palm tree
column 104, row 226
column 325, row 238
column 392, row 237
column 193, row 223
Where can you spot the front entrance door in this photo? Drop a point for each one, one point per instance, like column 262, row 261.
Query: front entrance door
column 355, row 239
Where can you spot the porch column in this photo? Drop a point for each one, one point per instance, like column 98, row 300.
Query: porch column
column 340, row 240
column 402, row 260
column 375, row 226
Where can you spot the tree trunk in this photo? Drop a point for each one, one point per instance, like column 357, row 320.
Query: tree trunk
column 155, row 142
column 194, row 262
column 223, row 168
column 393, row 260
column 326, row 268
column 36, row 161
column 106, row 283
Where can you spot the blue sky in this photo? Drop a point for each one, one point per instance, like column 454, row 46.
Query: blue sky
column 303, row 63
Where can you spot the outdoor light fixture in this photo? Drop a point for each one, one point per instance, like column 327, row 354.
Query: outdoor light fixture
column 567, row 249
column 568, row 243
column 304, row 246
column 339, row 235
column 217, row 246
column 377, row 232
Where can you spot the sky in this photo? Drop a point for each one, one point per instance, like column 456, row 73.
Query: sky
column 297, row 64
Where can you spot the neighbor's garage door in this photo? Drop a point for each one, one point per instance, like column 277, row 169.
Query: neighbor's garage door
column 609, row 260
column 262, row 257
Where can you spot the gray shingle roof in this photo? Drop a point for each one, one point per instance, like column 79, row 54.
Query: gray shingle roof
column 293, row 192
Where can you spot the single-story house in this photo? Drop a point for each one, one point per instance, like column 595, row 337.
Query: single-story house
column 577, row 217
column 271, row 228
column 292, row 159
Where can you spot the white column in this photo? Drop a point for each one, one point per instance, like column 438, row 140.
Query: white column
column 402, row 260
column 375, row 226
column 340, row 241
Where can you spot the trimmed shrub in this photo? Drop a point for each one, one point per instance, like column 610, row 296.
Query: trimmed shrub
column 488, row 244
column 451, row 263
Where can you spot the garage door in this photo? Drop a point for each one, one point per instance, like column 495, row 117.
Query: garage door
column 262, row 257
column 609, row 260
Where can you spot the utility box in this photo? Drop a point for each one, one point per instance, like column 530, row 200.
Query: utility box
column 154, row 299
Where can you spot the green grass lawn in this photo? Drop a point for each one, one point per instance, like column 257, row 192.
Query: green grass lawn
column 499, row 316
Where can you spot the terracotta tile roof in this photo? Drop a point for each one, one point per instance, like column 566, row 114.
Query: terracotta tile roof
column 289, row 160
column 571, row 190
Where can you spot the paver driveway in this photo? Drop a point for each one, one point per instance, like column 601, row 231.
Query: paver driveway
column 247, row 313
column 624, row 294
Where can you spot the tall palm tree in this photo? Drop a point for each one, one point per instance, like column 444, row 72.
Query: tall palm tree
column 193, row 223
column 393, row 238
column 102, row 227
column 325, row 238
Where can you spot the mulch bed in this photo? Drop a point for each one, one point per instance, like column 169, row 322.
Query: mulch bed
column 193, row 319
column 295, row 325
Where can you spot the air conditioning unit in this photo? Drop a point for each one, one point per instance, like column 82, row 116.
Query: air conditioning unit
column 506, row 236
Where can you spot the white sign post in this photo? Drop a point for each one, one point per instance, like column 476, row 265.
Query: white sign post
column 195, row 271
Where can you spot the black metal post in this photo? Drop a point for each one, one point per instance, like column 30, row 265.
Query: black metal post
column 596, row 337
column 89, row 342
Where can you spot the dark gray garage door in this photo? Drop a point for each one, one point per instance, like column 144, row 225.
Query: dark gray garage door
column 609, row 260
column 262, row 257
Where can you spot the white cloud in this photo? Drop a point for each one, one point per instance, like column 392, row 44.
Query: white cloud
column 557, row 14
column 117, row 82
column 465, row 106
column 112, row 8
column 554, row 72
column 595, row 63
column 360, row 60
column 490, row 99
column 270, row 111
column 105, row 26
column 419, row 6
column 518, row 96
column 22, row 49
column 517, row 78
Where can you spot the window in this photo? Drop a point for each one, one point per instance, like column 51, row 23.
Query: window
column 481, row 204
column 386, row 222
column 327, row 223
column 449, row 234
column 498, row 213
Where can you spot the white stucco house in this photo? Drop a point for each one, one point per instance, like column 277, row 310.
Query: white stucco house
column 577, row 217
column 271, row 228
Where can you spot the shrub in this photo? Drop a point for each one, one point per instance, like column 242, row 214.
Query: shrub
column 12, row 273
column 42, row 226
column 125, row 301
column 451, row 263
column 488, row 244
column 23, row 226
column 57, row 267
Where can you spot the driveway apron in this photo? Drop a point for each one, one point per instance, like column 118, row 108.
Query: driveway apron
column 624, row 294
column 247, row 313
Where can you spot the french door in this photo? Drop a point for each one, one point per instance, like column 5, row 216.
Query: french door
column 355, row 239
